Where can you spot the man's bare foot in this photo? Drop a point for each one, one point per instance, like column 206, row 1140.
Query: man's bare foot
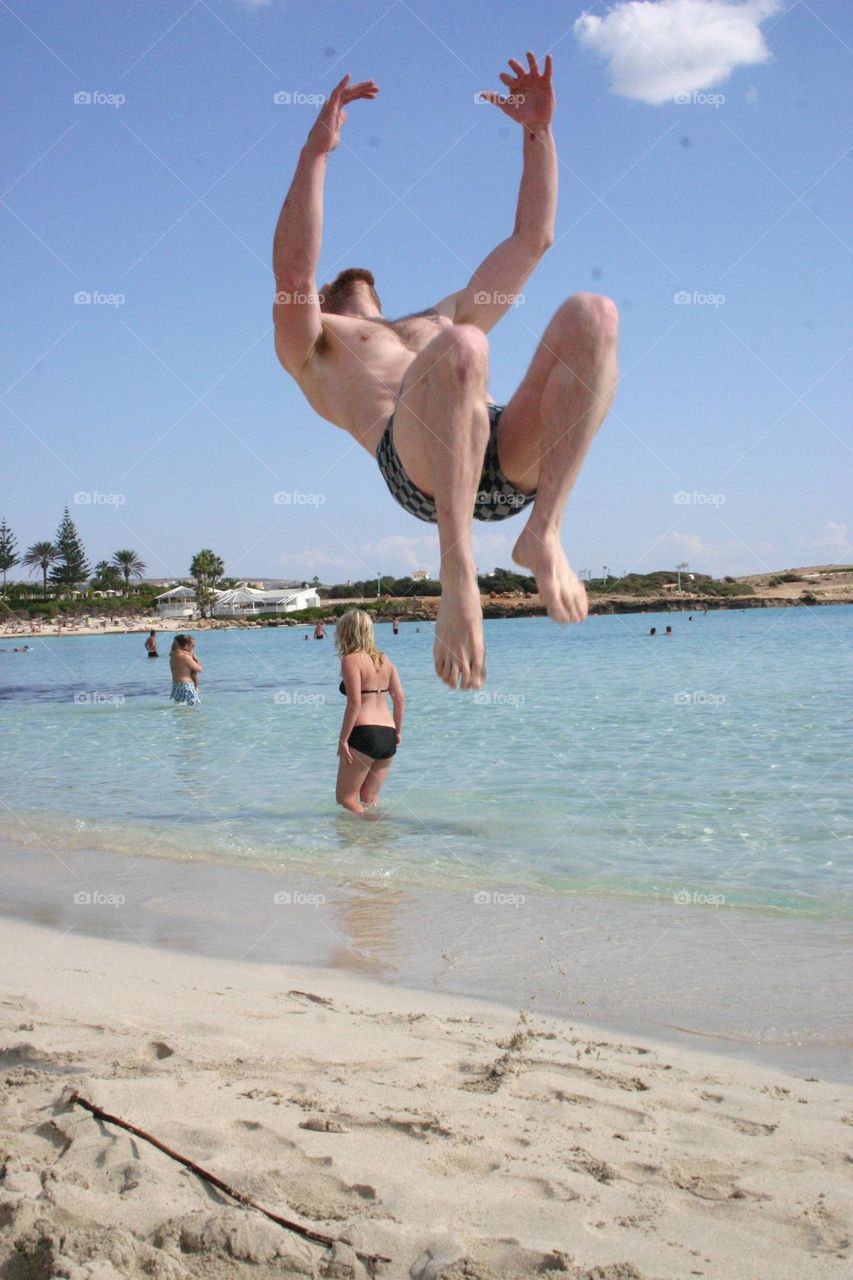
column 459, row 650
column 562, row 594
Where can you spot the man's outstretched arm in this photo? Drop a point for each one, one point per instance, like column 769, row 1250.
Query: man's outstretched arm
column 299, row 233
column 499, row 279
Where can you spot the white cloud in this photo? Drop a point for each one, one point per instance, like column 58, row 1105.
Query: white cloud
column 399, row 552
column 837, row 538
column 657, row 49
column 396, row 555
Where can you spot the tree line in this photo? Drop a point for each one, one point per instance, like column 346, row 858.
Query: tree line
column 63, row 562
column 500, row 582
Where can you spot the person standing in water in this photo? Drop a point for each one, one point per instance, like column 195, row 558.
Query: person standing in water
column 151, row 645
column 370, row 733
column 320, row 631
column 185, row 668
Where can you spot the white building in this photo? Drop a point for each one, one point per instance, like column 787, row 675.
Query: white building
column 177, row 603
column 239, row 602
column 244, row 601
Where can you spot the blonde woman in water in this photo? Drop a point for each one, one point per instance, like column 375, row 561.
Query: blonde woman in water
column 370, row 733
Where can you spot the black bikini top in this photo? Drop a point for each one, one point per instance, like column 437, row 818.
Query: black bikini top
column 343, row 689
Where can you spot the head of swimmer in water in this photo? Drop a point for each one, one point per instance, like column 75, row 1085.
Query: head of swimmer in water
column 351, row 293
column 354, row 634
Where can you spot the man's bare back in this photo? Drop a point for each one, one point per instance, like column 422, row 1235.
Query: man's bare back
column 414, row 391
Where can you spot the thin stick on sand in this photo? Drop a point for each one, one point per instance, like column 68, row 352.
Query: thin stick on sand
column 369, row 1258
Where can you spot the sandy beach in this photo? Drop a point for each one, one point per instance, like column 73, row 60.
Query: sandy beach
column 456, row 1137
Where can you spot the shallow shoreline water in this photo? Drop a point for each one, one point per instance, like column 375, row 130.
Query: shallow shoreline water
column 597, row 760
column 684, row 973
column 648, row 832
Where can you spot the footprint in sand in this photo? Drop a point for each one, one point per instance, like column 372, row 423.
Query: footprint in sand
column 822, row 1230
column 752, row 1128
column 613, row 1114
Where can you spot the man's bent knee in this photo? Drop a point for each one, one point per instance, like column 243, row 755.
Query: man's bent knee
column 588, row 316
column 461, row 355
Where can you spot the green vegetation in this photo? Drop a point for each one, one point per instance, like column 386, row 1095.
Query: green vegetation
column 8, row 551
column 129, row 565
column 106, row 577
column 41, row 555
column 366, row 588
column 501, row 582
column 508, row 581
column 70, row 567
column 206, row 570
column 654, row 584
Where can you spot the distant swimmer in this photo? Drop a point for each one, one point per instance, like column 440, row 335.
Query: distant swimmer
column 151, row 645
column 668, row 631
column 653, row 631
column 370, row 733
column 320, row 631
column 414, row 391
column 395, row 625
column 185, row 668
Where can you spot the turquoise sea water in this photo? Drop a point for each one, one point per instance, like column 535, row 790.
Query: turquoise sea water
column 597, row 760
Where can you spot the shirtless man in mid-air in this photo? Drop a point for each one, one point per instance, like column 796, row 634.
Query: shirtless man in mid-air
column 414, row 391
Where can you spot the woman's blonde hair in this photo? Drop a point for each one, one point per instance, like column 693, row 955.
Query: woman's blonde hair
column 354, row 634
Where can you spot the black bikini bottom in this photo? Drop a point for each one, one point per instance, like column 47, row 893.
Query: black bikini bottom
column 379, row 741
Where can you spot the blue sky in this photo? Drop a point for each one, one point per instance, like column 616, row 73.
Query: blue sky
column 163, row 401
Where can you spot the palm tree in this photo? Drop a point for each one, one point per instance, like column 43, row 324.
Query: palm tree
column 41, row 555
column 105, row 575
column 130, row 565
column 206, row 570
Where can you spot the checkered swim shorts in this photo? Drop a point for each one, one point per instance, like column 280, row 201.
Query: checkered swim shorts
column 185, row 694
column 496, row 497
